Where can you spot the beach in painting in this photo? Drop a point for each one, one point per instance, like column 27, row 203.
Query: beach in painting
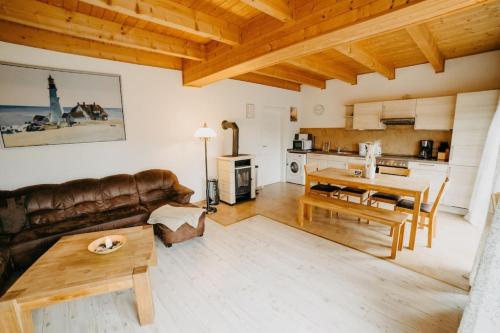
column 14, row 116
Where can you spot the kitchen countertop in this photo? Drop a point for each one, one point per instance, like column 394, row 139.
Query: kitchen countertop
column 355, row 154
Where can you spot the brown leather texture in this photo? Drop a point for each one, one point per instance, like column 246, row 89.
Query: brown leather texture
column 184, row 232
column 33, row 218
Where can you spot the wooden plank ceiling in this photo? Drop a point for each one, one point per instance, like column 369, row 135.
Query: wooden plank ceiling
column 278, row 43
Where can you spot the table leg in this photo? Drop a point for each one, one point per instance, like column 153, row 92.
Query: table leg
column 153, row 261
column 143, row 295
column 14, row 319
column 414, row 221
column 301, row 213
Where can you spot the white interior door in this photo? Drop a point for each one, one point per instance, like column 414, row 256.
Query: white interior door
column 269, row 156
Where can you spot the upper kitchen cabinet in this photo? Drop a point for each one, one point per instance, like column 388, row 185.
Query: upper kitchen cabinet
column 403, row 108
column 367, row 116
column 473, row 115
column 435, row 113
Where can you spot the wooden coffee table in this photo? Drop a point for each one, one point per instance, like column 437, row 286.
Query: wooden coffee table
column 68, row 271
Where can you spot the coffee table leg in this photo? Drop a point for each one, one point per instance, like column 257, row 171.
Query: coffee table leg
column 143, row 295
column 14, row 319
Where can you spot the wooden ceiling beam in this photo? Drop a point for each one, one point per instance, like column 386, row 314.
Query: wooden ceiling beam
column 173, row 15
column 42, row 16
column 318, row 32
column 24, row 35
column 360, row 55
column 294, row 75
column 425, row 42
column 278, row 9
column 325, row 69
column 268, row 81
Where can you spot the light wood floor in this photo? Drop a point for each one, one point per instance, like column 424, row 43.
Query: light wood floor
column 450, row 258
column 263, row 276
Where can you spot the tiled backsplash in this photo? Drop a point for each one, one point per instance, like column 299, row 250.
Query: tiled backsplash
column 397, row 140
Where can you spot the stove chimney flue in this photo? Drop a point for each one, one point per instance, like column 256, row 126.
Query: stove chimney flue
column 236, row 135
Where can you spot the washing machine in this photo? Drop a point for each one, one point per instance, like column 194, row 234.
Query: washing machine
column 295, row 172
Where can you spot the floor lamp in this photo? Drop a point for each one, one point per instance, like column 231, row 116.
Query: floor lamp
column 205, row 133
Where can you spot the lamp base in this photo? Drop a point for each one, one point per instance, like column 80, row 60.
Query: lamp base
column 210, row 210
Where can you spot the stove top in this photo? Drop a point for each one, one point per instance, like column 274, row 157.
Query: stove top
column 393, row 161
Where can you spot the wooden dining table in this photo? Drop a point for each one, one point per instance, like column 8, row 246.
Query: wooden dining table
column 416, row 188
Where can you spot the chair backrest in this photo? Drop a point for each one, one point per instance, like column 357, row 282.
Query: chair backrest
column 394, row 171
column 311, row 167
column 355, row 166
column 439, row 196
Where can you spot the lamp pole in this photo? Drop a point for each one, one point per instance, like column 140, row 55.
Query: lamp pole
column 205, row 134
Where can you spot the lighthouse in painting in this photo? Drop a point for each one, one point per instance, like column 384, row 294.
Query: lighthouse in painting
column 55, row 109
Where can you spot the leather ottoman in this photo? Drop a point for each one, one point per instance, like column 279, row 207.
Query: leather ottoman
column 184, row 232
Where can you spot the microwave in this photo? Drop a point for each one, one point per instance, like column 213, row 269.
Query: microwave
column 302, row 144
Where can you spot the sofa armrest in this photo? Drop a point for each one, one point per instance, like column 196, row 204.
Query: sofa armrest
column 5, row 269
column 181, row 194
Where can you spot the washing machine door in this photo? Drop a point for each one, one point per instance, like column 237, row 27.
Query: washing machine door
column 294, row 167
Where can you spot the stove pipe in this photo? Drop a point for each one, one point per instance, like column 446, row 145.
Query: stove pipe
column 236, row 134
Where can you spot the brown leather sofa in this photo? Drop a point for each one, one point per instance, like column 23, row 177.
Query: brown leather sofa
column 33, row 218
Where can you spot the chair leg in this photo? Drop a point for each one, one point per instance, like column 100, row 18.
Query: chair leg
column 391, row 232
column 421, row 223
column 434, row 227
column 430, row 228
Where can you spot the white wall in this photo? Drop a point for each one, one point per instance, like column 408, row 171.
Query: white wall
column 160, row 118
column 473, row 73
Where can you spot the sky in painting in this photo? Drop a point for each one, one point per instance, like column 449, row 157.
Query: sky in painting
column 29, row 87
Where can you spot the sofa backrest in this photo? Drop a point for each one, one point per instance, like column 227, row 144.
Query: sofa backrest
column 53, row 203
column 119, row 191
column 155, row 185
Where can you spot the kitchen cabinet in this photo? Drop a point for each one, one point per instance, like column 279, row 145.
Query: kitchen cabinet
column 459, row 191
column 435, row 113
column 403, row 108
column 473, row 114
column 435, row 173
column 328, row 161
column 367, row 116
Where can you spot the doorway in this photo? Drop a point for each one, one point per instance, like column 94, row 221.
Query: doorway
column 270, row 145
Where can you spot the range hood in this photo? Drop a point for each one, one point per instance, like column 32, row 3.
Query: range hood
column 398, row 121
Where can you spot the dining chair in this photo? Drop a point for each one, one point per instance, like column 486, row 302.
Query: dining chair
column 349, row 191
column 388, row 198
column 321, row 189
column 427, row 211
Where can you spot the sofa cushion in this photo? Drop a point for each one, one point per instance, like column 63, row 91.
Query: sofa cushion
column 29, row 244
column 41, row 206
column 119, row 191
column 12, row 214
column 154, row 185
column 78, row 223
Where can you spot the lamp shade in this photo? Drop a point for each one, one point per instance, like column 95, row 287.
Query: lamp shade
column 204, row 132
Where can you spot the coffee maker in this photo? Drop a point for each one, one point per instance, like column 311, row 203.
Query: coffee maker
column 425, row 149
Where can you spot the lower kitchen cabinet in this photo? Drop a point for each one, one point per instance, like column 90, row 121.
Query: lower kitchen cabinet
column 327, row 161
column 459, row 191
column 434, row 172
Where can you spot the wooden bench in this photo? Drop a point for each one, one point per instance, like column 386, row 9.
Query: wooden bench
column 395, row 220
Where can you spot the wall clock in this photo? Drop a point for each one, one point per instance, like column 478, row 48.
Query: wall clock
column 318, row 109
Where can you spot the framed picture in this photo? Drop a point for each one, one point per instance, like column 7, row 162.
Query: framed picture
column 293, row 114
column 47, row 106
